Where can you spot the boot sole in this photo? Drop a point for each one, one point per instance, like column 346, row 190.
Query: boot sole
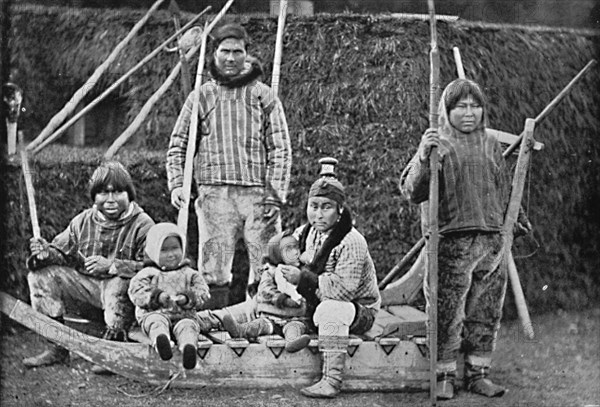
column 189, row 356
column 316, row 395
column 231, row 326
column 163, row 347
column 297, row 344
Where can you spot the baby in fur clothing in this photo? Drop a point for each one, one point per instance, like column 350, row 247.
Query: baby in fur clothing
column 167, row 293
column 279, row 307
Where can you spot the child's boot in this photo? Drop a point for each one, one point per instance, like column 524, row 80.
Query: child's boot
column 248, row 330
column 295, row 336
column 186, row 332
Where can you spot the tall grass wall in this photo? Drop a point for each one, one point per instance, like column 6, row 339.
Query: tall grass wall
column 354, row 87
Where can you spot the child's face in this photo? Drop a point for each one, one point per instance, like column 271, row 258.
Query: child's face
column 171, row 253
column 290, row 251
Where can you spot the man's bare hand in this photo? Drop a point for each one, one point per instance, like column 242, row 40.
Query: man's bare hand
column 97, row 265
column 177, row 199
column 39, row 248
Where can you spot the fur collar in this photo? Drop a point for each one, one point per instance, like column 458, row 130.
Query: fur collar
column 252, row 70
column 339, row 231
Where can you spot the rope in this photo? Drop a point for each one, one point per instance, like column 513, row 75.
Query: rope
column 154, row 392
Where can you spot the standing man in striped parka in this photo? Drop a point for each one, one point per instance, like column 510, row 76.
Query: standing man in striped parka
column 243, row 160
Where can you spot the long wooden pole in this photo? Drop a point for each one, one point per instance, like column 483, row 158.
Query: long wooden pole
column 433, row 201
column 408, row 257
column 35, row 225
column 79, row 94
column 147, row 108
column 188, row 170
column 279, row 46
column 551, row 105
column 111, row 88
column 185, row 68
column 512, row 212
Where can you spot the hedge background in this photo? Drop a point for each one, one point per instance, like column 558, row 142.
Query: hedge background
column 354, row 87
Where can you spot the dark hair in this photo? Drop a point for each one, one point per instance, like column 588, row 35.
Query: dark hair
column 459, row 89
column 111, row 173
column 229, row 31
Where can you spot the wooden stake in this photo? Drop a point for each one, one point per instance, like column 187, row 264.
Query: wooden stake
column 79, row 94
column 279, row 46
column 433, row 201
column 188, row 170
column 110, row 89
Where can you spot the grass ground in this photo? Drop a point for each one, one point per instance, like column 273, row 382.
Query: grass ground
column 559, row 368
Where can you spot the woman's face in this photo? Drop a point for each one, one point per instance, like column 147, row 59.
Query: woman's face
column 171, row 253
column 111, row 203
column 466, row 115
column 322, row 213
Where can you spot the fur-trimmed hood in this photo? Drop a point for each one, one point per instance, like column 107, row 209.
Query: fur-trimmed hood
column 252, row 71
column 154, row 241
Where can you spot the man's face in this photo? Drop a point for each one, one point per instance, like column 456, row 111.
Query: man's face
column 230, row 56
column 111, row 203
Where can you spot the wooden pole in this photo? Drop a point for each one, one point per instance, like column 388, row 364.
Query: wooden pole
column 458, row 61
column 512, row 212
column 110, row 89
column 147, row 108
column 408, row 257
column 79, row 94
column 35, row 226
column 551, row 105
column 188, row 170
column 278, row 47
column 433, row 238
column 185, row 68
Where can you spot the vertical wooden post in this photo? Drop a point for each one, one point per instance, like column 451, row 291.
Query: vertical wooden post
column 433, row 238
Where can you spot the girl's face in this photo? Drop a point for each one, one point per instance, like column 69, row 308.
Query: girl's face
column 290, row 250
column 171, row 253
column 111, row 203
column 322, row 213
column 466, row 116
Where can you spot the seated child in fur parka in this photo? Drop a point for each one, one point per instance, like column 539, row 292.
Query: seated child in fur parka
column 167, row 293
column 279, row 307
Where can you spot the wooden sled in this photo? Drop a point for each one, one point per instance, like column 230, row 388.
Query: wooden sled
column 390, row 357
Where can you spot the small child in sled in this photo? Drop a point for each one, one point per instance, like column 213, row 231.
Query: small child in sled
column 279, row 307
column 167, row 292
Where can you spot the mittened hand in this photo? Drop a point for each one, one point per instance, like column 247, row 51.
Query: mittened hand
column 181, row 299
column 164, row 300
column 289, row 303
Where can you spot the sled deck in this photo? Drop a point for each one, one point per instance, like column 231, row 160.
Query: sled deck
column 392, row 356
